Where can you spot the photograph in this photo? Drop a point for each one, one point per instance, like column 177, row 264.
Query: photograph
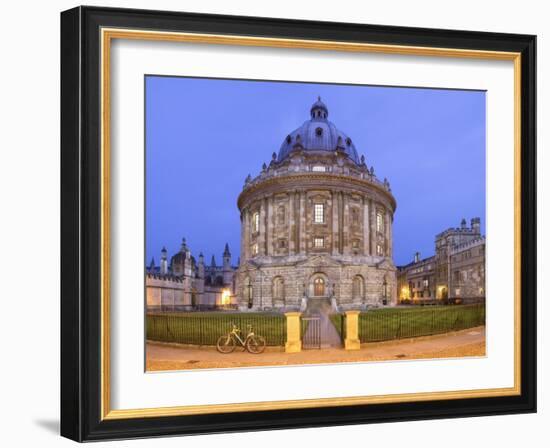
column 291, row 223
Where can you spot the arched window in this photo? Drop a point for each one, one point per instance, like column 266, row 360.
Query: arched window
column 278, row 288
column 358, row 287
column 319, row 287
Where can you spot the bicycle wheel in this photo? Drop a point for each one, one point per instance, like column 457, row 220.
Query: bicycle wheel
column 255, row 344
column 225, row 344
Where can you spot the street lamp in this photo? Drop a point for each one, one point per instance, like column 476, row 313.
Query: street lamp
column 385, row 286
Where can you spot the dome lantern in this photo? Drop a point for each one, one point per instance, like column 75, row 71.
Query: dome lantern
column 319, row 110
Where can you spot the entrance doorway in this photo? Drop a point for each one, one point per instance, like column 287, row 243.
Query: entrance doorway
column 319, row 287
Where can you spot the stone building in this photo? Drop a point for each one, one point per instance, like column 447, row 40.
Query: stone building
column 456, row 272
column 316, row 225
column 185, row 284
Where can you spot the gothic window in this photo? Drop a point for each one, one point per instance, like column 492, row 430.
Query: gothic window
column 256, row 222
column 358, row 287
column 319, row 213
column 379, row 250
column 319, row 287
column 281, row 215
column 278, row 288
column 379, row 222
column 318, row 242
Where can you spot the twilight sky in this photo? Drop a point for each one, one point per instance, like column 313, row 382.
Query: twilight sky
column 204, row 136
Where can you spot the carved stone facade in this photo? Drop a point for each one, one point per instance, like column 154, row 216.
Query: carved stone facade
column 455, row 273
column 183, row 284
column 316, row 224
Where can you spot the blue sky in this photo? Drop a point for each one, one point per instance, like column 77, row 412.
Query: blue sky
column 204, row 136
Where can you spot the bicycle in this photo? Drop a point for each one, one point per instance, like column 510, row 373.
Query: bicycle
column 253, row 343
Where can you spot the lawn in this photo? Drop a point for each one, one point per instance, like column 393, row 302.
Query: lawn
column 397, row 323
column 205, row 328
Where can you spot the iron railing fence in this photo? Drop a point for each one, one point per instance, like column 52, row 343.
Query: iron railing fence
column 398, row 323
column 206, row 328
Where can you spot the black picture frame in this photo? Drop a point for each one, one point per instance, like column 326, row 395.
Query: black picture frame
column 81, row 224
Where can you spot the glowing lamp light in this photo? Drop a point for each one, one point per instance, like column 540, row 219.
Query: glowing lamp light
column 226, row 297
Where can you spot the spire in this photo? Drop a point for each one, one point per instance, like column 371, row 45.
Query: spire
column 152, row 264
column 163, row 253
column 213, row 262
column 183, row 245
column 226, row 252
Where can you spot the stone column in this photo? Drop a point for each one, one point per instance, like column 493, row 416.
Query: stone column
column 302, row 218
column 366, row 228
column 265, row 222
column 293, row 336
column 346, row 224
column 291, row 224
column 243, row 235
column 262, row 236
column 389, row 225
column 269, row 225
column 297, row 223
column 352, row 341
column 340, row 222
column 335, row 231
column 372, row 227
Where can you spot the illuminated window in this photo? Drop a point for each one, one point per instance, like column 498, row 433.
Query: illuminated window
column 256, row 222
column 319, row 242
column 379, row 222
column 318, row 168
column 319, row 213
column 255, row 249
column 379, row 250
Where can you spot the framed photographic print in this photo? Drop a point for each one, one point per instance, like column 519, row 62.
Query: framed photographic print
column 276, row 224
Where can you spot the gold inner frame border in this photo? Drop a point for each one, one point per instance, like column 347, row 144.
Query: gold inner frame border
column 107, row 35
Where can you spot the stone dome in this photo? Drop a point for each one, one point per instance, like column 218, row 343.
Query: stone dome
column 318, row 134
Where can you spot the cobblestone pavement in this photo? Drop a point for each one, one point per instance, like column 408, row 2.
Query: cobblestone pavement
column 464, row 343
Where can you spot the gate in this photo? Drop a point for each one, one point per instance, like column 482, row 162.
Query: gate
column 311, row 333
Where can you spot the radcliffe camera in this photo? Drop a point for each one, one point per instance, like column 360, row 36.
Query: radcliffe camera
column 300, row 223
